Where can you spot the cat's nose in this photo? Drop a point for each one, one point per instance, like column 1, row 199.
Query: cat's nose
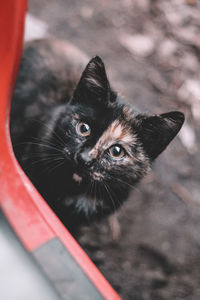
column 85, row 158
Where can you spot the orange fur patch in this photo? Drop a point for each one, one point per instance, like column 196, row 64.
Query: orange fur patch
column 116, row 133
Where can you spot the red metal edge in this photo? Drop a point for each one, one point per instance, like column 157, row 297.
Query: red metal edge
column 14, row 198
column 30, row 216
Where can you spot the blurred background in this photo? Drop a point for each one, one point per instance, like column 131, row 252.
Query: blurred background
column 151, row 248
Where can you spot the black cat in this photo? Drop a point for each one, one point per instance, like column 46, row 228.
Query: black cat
column 79, row 143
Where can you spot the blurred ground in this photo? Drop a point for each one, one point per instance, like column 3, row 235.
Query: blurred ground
column 152, row 53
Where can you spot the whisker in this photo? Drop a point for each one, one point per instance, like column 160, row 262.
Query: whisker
column 52, row 130
column 114, row 195
column 113, row 202
column 133, row 187
column 44, row 140
column 35, row 155
column 55, row 167
column 44, row 161
column 95, row 194
column 41, row 144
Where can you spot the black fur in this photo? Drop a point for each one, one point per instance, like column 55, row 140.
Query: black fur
column 44, row 120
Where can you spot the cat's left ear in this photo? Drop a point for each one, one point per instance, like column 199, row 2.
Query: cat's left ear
column 94, row 85
column 157, row 131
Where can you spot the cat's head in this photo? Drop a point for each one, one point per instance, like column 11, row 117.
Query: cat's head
column 110, row 144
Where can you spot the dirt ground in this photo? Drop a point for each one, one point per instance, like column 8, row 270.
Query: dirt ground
column 152, row 53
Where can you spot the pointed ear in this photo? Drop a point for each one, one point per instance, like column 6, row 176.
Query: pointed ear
column 156, row 132
column 94, row 85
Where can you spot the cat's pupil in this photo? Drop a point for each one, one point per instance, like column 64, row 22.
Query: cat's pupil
column 117, row 150
column 84, row 128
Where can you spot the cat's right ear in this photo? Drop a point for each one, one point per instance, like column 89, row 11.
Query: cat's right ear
column 157, row 131
column 93, row 86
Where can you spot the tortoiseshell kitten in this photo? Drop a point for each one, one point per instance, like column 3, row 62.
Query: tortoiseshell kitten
column 79, row 143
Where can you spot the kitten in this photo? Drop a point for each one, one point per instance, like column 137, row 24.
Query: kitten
column 79, row 143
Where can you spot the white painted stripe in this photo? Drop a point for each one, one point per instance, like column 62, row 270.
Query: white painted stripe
column 34, row 28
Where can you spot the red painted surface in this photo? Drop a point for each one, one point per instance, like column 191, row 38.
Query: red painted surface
column 30, row 216
column 16, row 191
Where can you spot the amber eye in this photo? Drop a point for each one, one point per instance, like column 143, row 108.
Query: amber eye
column 83, row 129
column 117, row 152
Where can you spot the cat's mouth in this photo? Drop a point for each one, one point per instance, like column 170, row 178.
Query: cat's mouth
column 76, row 177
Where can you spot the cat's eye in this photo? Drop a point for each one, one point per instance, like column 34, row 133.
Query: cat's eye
column 117, row 152
column 83, row 129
